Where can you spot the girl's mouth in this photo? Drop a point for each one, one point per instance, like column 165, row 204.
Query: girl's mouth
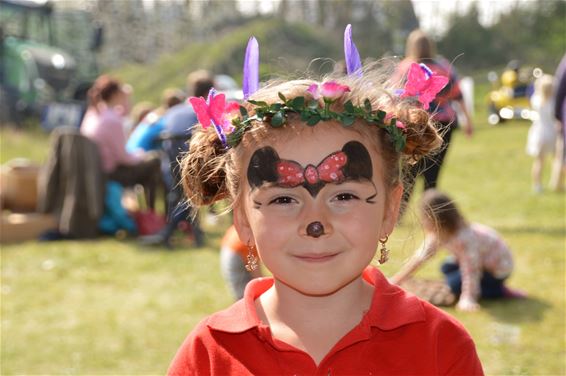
column 316, row 257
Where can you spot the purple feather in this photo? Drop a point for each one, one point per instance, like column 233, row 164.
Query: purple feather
column 353, row 61
column 250, row 82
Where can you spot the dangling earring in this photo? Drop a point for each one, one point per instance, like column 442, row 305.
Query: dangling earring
column 251, row 264
column 384, row 252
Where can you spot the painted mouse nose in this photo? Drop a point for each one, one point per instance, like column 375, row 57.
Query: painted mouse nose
column 314, row 222
column 315, row 229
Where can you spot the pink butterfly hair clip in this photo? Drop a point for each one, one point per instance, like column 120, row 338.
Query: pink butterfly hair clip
column 423, row 83
column 216, row 112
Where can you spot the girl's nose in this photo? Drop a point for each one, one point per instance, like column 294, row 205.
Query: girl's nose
column 315, row 229
column 315, row 223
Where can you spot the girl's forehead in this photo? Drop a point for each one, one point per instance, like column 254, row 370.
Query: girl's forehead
column 309, row 145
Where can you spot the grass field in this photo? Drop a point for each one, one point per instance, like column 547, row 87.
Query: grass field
column 111, row 307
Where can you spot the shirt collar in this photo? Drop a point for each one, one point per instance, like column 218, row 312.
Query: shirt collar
column 391, row 306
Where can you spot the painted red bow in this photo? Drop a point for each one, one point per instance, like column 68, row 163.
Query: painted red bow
column 291, row 174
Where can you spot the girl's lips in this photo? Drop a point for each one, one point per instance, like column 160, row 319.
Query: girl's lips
column 317, row 257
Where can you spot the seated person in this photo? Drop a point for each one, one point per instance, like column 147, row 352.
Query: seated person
column 138, row 113
column 109, row 104
column 146, row 134
column 233, row 262
column 177, row 124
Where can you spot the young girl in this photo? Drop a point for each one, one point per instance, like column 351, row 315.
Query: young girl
column 482, row 259
column 312, row 169
column 103, row 123
column 541, row 139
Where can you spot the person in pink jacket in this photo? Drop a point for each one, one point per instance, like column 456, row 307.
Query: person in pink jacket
column 109, row 104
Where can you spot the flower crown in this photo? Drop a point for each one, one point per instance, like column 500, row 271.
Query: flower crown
column 231, row 120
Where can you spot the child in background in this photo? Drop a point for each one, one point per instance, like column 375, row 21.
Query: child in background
column 541, row 140
column 233, row 259
column 559, row 164
column 312, row 170
column 482, row 259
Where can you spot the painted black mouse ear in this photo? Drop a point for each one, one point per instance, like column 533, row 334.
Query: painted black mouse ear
column 263, row 166
column 359, row 161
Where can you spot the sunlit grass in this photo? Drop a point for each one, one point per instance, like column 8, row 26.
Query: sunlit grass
column 30, row 143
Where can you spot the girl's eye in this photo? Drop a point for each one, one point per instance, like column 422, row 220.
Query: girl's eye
column 346, row 197
column 283, row 200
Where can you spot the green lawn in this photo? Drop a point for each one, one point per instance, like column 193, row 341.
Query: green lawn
column 111, row 307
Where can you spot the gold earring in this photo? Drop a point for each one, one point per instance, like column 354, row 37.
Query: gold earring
column 251, row 264
column 384, row 252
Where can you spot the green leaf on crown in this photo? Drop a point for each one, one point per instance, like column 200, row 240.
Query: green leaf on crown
column 313, row 119
column 367, row 105
column 298, row 103
column 278, row 119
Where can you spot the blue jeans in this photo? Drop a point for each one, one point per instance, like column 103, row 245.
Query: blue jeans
column 490, row 286
column 178, row 210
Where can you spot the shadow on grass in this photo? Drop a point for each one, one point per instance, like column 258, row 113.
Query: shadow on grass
column 515, row 311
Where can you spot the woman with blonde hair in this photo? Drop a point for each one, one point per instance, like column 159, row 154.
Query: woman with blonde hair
column 421, row 49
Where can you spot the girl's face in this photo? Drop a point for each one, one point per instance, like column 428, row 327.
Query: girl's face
column 324, row 174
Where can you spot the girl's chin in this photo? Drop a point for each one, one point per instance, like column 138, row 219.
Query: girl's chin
column 318, row 287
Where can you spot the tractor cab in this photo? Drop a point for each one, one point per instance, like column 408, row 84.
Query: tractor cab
column 38, row 77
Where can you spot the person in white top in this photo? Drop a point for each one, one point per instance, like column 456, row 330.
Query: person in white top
column 481, row 260
column 541, row 139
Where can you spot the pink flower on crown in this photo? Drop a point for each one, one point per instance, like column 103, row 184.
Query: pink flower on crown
column 398, row 123
column 231, row 112
column 328, row 90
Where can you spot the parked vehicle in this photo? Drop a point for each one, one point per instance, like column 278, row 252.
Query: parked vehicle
column 510, row 95
column 38, row 76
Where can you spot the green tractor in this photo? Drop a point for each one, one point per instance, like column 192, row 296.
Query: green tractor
column 45, row 71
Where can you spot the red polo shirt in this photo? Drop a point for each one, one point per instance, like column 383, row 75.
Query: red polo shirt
column 399, row 335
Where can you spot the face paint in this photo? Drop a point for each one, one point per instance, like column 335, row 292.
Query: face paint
column 315, row 229
column 370, row 199
column 353, row 162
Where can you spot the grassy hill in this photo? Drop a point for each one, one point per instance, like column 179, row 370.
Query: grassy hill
column 284, row 49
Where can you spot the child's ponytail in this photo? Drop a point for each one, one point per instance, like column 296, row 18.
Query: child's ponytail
column 422, row 135
column 203, row 168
